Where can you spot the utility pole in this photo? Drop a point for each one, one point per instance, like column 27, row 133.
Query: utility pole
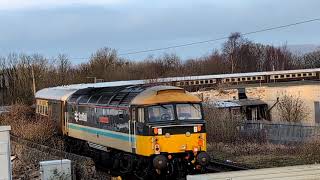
column 33, row 81
column 2, row 87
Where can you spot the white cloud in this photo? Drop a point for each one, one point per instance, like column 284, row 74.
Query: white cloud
column 25, row 4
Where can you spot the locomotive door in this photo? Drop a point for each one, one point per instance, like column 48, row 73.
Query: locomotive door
column 132, row 129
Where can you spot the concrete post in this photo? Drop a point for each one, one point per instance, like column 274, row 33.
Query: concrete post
column 5, row 153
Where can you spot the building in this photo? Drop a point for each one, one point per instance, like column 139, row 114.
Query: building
column 307, row 91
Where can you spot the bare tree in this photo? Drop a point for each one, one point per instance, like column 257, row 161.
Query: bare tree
column 292, row 109
column 312, row 60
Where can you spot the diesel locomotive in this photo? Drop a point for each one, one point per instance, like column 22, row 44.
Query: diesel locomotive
column 141, row 129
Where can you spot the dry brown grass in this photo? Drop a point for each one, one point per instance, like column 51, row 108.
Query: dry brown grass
column 225, row 142
column 267, row 155
column 25, row 124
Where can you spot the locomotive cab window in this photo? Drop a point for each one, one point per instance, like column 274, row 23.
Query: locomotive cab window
column 161, row 113
column 189, row 111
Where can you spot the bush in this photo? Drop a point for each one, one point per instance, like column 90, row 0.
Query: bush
column 221, row 126
column 26, row 124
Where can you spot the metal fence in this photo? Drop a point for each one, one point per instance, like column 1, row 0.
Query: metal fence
column 280, row 133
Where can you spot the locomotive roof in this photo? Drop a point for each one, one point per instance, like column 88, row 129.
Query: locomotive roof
column 164, row 94
column 63, row 92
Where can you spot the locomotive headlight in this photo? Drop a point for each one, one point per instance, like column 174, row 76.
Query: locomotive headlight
column 157, row 131
column 197, row 128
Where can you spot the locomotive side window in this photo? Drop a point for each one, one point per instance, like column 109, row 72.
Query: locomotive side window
column 121, row 114
column 161, row 113
column 189, row 111
column 133, row 114
column 141, row 115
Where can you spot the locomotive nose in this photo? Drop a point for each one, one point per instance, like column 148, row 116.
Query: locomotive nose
column 203, row 158
column 160, row 162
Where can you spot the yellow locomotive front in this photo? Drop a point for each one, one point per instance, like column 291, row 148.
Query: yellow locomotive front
column 171, row 129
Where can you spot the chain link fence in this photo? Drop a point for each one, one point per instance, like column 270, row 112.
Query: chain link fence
column 279, row 132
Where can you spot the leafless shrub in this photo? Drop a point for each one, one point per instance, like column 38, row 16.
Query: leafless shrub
column 311, row 148
column 25, row 124
column 292, row 109
column 221, row 126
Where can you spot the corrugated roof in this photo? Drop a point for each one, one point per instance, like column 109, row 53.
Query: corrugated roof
column 224, row 104
column 250, row 102
column 237, row 103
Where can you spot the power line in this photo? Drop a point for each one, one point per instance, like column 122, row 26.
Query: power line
column 221, row 38
column 210, row 40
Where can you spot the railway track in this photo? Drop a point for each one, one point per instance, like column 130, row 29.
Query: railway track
column 214, row 166
column 219, row 166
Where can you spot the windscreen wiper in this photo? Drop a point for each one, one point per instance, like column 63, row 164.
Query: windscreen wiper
column 195, row 107
column 163, row 106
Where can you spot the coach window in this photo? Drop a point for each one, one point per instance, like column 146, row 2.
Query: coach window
column 259, row 78
column 45, row 110
column 141, row 115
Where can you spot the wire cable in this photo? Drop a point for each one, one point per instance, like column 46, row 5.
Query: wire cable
column 210, row 40
column 221, row 38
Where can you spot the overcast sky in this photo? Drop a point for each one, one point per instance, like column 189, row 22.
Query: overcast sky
column 79, row 27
